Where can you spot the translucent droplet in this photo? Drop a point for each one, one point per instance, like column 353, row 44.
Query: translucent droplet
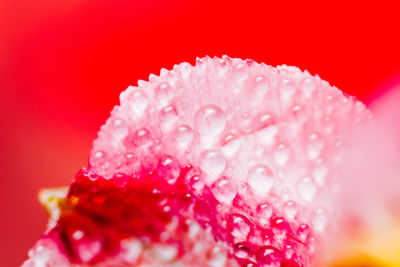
column 223, row 190
column 212, row 162
column 239, row 227
column 264, row 211
column 281, row 154
column 241, row 250
column 164, row 93
column 269, row 256
column 290, row 209
column 168, row 119
column 138, row 102
column 143, row 137
column 320, row 219
column 308, row 86
column 315, row 144
column 164, row 252
column 280, row 225
column 230, row 145
column 303, row 232
column 307, row 189
column 286, row 90
column 260, row 179
column 131, row 249
column 119, row 130
column 217, row 258
column 99, row 159
column 184, row 136
column 261, row 84
column 169, row 168
column 210, row 120
column 320, row 172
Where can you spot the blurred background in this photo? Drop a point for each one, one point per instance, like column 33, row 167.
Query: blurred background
column 64, row 63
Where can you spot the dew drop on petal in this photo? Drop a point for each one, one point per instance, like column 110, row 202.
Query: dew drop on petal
column 307, row 189
column 139, row 102
column 210, row 120
column 212, row 162
column 290, row 208
column 320, row 219
column 184, row 136
column 264, row 212
column 308, row 86
column 260, row 179
column 315, row 144
column 241, row 250
column 281, row 154
column 168, row 119
column 223, row 190
column 269, row 256
column 169, row 168
column 239, row 227
column 143, row 137
column 164, row 93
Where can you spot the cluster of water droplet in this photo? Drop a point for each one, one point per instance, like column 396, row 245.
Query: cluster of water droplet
column 265, row 143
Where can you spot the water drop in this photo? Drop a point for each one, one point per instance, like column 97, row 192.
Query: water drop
column 264, row 211
column 184, row 136
column 290, row 209
column 212, row 162
column 281, row 154
column 261, row 84
column 143, row 137
column 287, row 89
column 169, row 168
column 320, row 172
column 320, row 219
column 164, row 93
column 303, row 232
column 230, row 145
column 239, row 227
column 168, row 118
column 315, row 144
column 138, row 102
column 210, row 120
column 308, row 86
column 307, row 189
column 119, row 130
column 131, row 249
column 241, row 250
column 260, row 179
column 223, row 190
column 269, row 256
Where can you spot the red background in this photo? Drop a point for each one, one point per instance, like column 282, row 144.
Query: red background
column 63, row 64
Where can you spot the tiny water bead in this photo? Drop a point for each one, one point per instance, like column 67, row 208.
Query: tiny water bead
column 168, row 119
column 169, row 168
column 223, row 190
column 239, row 227
column 212, row 162
column 260, row 179
column 184, row 136
column 281, row 154
column 210, row 120
column 164, row 93
column 139, row 102
column 307, row 189
column 269, row 256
